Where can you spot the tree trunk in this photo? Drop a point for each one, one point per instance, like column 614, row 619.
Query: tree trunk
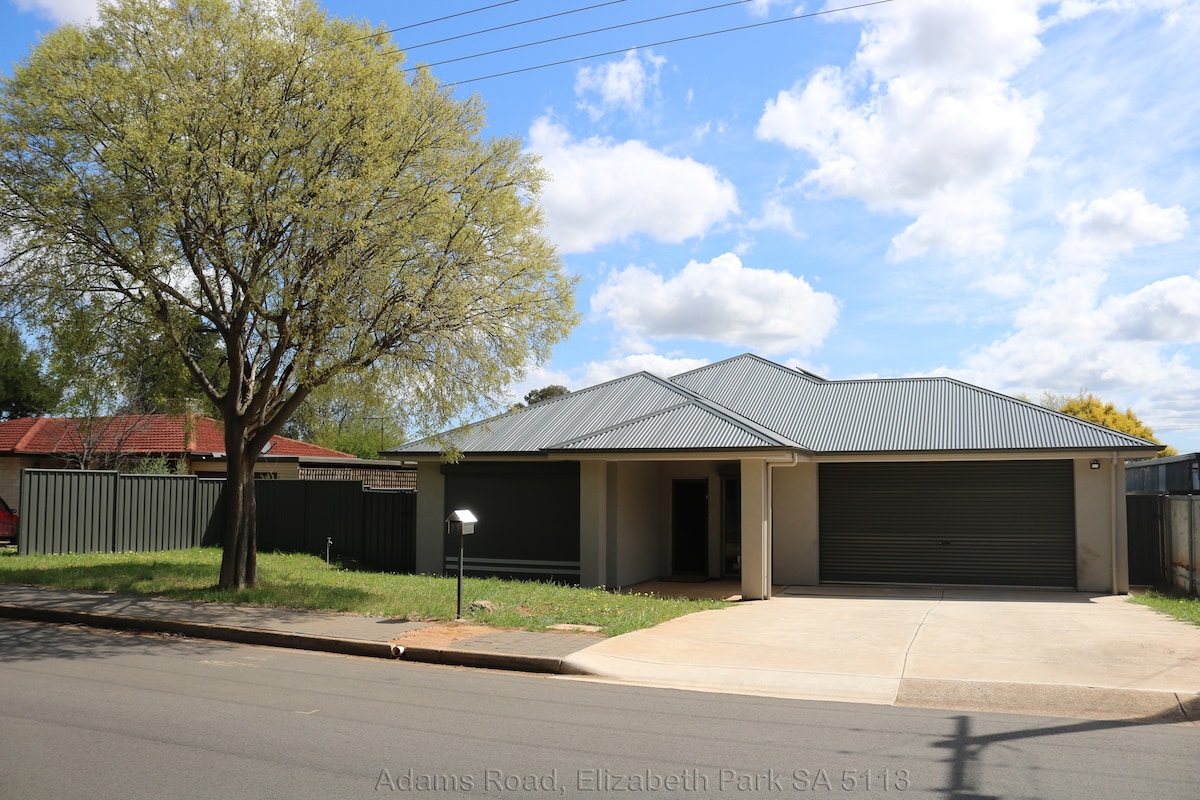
column 239, row 561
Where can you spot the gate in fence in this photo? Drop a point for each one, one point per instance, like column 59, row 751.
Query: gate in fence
column 1164, row 540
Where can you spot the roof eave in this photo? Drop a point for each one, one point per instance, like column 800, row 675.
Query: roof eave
column 975, row 453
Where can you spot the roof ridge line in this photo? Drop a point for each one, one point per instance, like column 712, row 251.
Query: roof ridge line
column 683, row 404
column 37, row 424
column 756, row 357
column 761, row 427
column 445, row 436
column 616, row 425
column 733, row 417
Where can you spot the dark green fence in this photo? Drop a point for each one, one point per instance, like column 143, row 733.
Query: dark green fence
column 71, row 511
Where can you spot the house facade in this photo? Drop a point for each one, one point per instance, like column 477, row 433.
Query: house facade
column 749, row 469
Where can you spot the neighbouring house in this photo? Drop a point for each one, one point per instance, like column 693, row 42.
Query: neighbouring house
column 749, row 469
column 190, row 443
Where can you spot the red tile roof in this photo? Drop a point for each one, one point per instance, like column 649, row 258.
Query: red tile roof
column 157, row 434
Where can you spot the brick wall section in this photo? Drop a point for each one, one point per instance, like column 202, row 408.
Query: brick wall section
column 374, row 477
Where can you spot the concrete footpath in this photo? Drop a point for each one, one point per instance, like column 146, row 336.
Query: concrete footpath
column 1052, row 653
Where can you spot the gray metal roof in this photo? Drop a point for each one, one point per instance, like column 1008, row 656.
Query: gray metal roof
column 747, row 402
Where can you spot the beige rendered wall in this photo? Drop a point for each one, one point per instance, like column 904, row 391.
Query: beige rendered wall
column 593, row 523
column 633, row 520
column 431, row 502
column 795, row 544
column 1095, row 491
column 756, row 534
column 10, row 481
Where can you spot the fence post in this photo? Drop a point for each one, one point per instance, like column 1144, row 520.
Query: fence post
column 1192, row 545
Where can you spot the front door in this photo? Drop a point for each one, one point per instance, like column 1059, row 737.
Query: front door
column 689, row 528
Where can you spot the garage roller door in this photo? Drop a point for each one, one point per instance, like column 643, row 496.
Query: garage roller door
column 1009, row 523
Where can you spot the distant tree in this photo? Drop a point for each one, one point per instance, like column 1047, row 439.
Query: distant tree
column 1093, row 409
column 266, row 174
column 357, row 414
column 104, row 371
column 95, row 441
column 24, row 390
column 545, row 393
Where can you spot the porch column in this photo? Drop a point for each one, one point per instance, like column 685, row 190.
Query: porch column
column 756, row 530
column 593, row 523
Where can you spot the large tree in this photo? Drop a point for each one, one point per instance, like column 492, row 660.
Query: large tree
column 262, row 173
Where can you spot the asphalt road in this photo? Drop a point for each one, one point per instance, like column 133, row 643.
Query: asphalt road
column 101, row 715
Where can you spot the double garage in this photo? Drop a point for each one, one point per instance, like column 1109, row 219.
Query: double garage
column 995, row 523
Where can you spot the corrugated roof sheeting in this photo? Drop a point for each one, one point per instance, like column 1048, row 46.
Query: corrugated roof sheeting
column 749, row 402
column 921, row 414
column 685, row 427
column 889, row 415
column 561, row 418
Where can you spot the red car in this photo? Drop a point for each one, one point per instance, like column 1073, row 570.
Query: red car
column 8, row 524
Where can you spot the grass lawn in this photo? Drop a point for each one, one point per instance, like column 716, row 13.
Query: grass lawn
column 307, row 582
column 1178, row 606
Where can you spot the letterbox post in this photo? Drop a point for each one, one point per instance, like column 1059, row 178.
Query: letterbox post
column 462, row 522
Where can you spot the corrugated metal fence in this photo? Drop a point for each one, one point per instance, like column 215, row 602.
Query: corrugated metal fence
column 1164, row 540
column 71, row 511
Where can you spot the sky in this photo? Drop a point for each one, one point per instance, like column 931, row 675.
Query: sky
column 1006, row 192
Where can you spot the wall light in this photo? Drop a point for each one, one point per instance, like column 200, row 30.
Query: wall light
column 1095, row 463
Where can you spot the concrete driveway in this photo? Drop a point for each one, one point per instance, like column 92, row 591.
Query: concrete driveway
column 1057, row 653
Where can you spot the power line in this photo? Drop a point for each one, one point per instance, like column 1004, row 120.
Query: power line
column 566, row 36
column 431, row 21
column 410, row 48
column 651, row 44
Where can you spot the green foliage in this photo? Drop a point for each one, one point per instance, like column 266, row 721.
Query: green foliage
column 306, row 582
column 357, row 414
column 545, row 393
column 153, row 465
column 24, row 390
column 260, row 175
column 538, row 395
column 1093, row 409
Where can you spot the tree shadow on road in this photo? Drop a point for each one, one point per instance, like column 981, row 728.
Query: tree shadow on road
column 34, row 641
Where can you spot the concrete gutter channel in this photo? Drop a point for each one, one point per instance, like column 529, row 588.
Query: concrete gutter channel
column 201, row 630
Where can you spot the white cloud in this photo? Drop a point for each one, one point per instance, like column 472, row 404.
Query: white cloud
column 620, row 84
column 775, row 215
column 1003, row 284
column 761, row 8
column 924, row 121
column 61, row 10
column 602, row 191
column 1166, row 311
column 720, row 301
column 1108, row 227
column 1122, row 346
column 596, row 372
column 1173, row 10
